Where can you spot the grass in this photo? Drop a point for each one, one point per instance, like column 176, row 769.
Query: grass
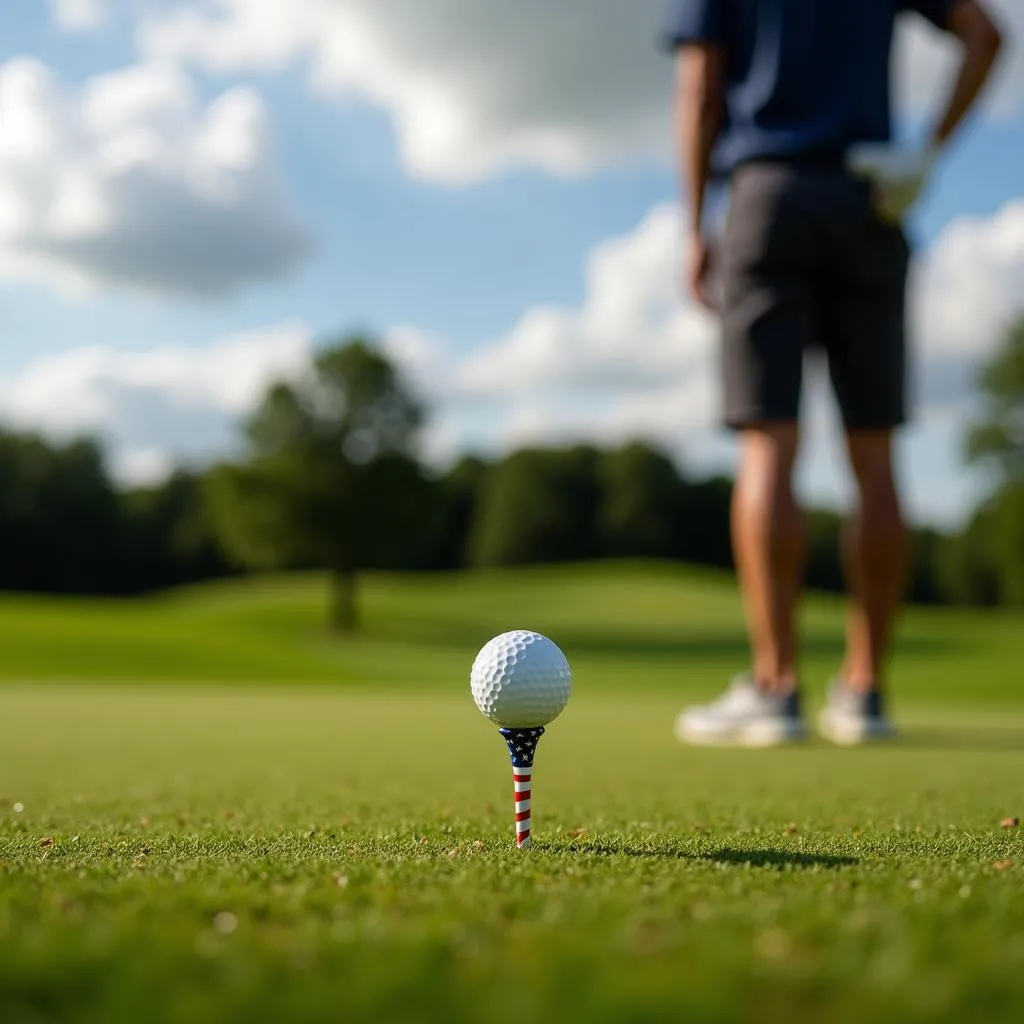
column 645, row 627
column 342, row 849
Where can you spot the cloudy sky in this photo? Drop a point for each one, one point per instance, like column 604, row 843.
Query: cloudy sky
column 196, row 193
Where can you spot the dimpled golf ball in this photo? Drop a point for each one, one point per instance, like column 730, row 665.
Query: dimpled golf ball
column 521, row 680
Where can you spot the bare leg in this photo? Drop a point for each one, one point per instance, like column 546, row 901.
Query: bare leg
column 768, row 545
column 874, row 551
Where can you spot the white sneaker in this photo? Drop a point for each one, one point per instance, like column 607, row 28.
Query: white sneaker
column 850, row 718
column 743, row 716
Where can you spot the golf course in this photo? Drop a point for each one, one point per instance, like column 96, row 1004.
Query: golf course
column 214, row 809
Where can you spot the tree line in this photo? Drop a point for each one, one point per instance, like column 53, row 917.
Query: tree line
column 329, row 478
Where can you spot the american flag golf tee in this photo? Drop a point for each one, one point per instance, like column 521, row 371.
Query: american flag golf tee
column 522, row 747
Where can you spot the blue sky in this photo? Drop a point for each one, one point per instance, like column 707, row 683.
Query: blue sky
column 475, row 259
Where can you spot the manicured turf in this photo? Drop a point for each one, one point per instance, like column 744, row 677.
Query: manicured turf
column 626, row 628
column 317, row 852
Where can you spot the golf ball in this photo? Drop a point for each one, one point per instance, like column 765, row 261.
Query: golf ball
column 521, row 680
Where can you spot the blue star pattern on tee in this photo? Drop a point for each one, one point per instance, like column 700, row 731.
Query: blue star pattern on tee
column 522, row 745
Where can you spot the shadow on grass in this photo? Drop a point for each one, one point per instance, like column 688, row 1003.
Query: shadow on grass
column 777, row 860
column 682, row 642
column 724, row 643
column 960, row 737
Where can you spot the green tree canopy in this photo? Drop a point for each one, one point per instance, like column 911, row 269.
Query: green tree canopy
column 986, row 563
column 58, row 517
column 641, row 507
column 330, row 479
column 459, row 494
column 538, row 505
column 999, row 438
column 167, row 536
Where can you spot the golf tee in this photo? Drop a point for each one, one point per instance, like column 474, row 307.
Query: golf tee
column 522, row 747
column 522, row 779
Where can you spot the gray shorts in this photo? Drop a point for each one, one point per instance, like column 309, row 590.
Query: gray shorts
column 806, row 264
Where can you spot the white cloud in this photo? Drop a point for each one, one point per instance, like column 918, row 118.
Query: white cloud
column 926, row 60
column 473, row 85
column 422, row 357
column 157, row 405
column 637, row 359
column 971, row 283
column 140, row 467
column 634, row 359
column 131, row 182
column 478, row 86
column 79, row 15
column 635, row 334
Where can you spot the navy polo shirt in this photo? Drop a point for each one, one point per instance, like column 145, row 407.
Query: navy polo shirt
column 804, row 78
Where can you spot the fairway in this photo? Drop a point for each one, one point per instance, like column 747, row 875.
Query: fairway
column 180, row 844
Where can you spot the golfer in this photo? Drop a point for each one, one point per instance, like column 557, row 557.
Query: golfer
column 789, row 102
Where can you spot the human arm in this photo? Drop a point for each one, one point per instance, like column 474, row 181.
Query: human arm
column 699, row 115
column 899, row 174
column 697, row 31
column 981, row 40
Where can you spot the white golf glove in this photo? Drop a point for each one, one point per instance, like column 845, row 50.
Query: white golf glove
column 898, row 175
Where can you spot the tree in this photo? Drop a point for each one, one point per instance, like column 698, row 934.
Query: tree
column 927, row 547
column 538, row 505
column 971, row 567
column 998, row 439
column 704, row 536
column 331, row 480
column 995, row 538
column 641, row 505
column 167, row 536
column 59, row 517
column 824, row 570
column 1004, row 528
column 459, row 497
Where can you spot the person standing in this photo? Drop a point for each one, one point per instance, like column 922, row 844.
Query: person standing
column 789, row 102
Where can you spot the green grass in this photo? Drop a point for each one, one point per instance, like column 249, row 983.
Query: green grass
column 320, row 852
column 644, row 627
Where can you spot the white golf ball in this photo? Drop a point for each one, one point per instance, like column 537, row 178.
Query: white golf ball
column 521, row 680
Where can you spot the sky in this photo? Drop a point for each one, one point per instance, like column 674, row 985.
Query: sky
column 196, row 194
